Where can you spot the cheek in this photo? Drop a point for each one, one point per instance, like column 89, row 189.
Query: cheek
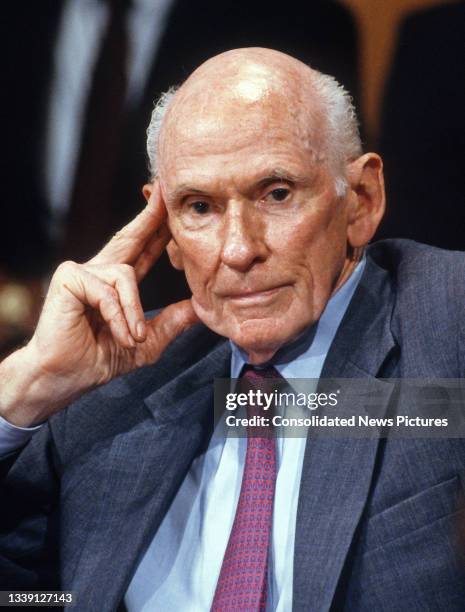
column 309, row 223
column 199, row 255
column 313, row 249
column 297, row 241
column 325, row 258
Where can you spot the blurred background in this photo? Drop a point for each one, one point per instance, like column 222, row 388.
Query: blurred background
column 81, row 77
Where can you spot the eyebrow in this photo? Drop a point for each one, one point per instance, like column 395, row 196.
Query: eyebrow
column 279, row 174
column 276, row 174
column 183, row 190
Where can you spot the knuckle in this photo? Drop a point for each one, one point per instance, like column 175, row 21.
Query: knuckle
column 125, row 270
column 133, row 304
column 110, row 311
column 66, row 267
column 109, row 295
column 156, row 337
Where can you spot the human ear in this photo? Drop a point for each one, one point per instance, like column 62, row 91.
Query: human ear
column 367, row 199
column 147, row 190
column 172, row 248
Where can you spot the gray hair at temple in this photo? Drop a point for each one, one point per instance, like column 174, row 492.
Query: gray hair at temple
column 342, row 136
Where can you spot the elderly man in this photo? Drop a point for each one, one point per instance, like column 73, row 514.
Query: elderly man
column 261, row 194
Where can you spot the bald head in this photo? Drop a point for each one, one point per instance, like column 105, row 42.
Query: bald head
column 244, row 76
column 254, row 87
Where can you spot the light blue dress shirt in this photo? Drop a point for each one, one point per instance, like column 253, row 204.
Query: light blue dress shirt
column 180, row 569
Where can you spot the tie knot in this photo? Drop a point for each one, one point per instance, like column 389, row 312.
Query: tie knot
column 256, row 374
column 259, row 384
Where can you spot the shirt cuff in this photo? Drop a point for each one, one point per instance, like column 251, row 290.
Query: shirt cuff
column 13, row 437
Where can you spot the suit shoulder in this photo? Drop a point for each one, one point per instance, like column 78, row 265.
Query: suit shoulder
column 428, row 318
column 410, row 263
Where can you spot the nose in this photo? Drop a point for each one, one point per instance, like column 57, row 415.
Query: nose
column 243, row 238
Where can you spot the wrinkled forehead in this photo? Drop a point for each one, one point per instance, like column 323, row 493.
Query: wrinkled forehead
column 223, row 114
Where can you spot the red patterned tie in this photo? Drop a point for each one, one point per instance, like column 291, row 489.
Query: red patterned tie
column 242, row 584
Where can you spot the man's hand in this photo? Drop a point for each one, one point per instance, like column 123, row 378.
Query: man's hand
column 92, row 326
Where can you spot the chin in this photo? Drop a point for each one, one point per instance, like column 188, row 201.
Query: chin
column 262, row 335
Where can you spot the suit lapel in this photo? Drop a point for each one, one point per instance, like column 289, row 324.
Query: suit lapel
column 144, row 468
column 337, row 473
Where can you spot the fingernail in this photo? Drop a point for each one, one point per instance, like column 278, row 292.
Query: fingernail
column 131, row 342
column 140, row 329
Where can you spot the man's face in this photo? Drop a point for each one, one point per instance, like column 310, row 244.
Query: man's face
column 256, row 223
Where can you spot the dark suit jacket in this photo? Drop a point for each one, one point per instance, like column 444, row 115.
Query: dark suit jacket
column 377, row 519
column 320, row 33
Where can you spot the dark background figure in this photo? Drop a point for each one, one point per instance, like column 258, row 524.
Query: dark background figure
column 98, row 191
column 423, row 130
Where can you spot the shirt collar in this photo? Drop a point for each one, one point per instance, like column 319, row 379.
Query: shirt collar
column 304, row 357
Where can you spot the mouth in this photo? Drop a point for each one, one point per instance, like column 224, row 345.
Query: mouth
column 246, row 298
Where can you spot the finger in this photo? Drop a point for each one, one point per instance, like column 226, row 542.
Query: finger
column 127, row 244
column 123, row 278
column 152, row 252
column 101, row 296
column 165, row 327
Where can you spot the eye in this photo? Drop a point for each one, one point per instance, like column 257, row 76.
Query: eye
column 199, row 207
column 277, row 195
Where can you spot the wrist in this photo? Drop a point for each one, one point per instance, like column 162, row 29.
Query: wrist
column 18, row 380
column 29, row 394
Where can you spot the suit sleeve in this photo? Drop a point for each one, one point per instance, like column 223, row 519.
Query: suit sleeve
column 29, row 493
column 12, row 437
